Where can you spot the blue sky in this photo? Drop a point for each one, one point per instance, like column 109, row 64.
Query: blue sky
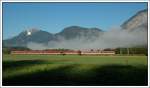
column 54, row 17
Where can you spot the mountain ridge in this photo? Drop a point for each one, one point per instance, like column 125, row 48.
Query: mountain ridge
column 40, row 36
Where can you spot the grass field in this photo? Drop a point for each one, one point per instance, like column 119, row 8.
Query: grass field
column 55, row 70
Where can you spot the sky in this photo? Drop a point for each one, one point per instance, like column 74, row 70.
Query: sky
column 54, row 17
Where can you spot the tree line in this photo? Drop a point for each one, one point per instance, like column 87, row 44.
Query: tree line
column 131, row 51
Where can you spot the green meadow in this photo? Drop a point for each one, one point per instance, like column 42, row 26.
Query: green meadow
column 74, row 70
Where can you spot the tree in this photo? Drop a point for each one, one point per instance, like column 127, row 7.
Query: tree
column 79, row 52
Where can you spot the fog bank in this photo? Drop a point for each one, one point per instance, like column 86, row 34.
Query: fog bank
column 113, row 38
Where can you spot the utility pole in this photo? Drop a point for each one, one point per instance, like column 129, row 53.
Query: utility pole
column 120, row 51
column 128, row 51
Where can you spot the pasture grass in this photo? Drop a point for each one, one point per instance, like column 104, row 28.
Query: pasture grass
column 55, row 70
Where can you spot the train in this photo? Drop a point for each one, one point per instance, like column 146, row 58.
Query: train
column 65, row 52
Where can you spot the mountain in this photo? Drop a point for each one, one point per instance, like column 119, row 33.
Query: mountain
column 43, row 37
column 77, row 31
column 138, row 21
column 32, row 35
column 138, row 25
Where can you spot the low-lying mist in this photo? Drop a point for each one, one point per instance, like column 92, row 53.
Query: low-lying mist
column 114, row 38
